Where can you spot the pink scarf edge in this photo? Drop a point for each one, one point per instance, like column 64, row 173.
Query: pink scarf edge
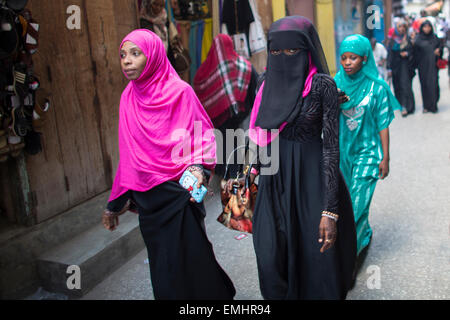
column 261, row 136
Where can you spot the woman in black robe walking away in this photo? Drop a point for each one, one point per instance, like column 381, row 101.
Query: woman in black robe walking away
column 427, row 49
column 303, row 227
column 400, row 62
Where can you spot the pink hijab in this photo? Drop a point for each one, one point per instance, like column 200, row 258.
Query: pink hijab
column 264, row 137
column 163, row 128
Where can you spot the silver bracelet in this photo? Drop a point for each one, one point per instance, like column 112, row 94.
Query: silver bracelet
column 329, row 216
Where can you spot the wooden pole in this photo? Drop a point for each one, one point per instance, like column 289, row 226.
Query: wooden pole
column 325, row 28
column 387, row 17
column 216, row 18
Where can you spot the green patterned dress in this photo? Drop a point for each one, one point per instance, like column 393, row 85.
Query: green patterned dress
column 361, row 153
column 370, row 110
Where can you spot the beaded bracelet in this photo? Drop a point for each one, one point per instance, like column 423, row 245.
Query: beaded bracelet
column 330, row 215
column 196, row 168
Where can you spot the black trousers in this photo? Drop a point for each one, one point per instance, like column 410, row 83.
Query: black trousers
column 181, row 258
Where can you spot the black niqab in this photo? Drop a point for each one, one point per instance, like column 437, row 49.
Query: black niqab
column 286, row 74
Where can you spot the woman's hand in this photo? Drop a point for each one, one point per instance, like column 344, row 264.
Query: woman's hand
column 110, row 219
column 383, row 168
column 201, row 178
column 437, row 52
column 327, row 233
column 342, row 97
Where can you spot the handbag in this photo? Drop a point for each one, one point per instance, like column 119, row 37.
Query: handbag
column 179, row 56
column 441, row 63
column 239, row 204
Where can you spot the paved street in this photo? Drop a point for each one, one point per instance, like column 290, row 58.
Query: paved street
column 410, row 217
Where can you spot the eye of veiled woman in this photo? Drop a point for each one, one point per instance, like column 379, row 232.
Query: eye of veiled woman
column 291, row 52
column 275, row 52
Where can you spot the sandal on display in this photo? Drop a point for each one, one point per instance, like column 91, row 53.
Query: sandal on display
column 31, row 31
column 41, row 107
column 20, row 124
column 21, row 80
column 16, row 149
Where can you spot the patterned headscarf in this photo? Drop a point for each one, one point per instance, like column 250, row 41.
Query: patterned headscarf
column 222, row 81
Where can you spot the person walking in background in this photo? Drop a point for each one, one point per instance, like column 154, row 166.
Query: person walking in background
column 364, row 128
column 427, row 49
column 155, row 104
column 303, row 226
column 401, row 65
column 153, row 16
column 225, row 84
column 380, row 54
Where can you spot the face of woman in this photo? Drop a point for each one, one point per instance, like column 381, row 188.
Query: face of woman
column 156, row 6
column 132, row 60
column 351, row 62
column 401, row 28
column 426, row 29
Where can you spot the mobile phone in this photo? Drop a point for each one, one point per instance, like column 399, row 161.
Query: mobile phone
column 189, row 182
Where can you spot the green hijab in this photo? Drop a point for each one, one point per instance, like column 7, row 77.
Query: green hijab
column 357, row 86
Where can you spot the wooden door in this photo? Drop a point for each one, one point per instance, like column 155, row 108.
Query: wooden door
column 80, row 67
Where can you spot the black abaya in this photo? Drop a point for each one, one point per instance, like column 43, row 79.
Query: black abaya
column 289, row 205
column 182, row 261
column 291, row 200
column 424, row 48
column 286, row 229
column 402, row 75
column 181, row 258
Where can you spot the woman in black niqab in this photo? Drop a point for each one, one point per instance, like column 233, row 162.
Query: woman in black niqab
column 287, row 73
column 301, row 251
column 427, row 49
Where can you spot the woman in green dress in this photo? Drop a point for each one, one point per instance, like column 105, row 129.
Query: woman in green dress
column 364, row 128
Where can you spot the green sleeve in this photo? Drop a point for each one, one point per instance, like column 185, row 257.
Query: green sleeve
column 384, row 113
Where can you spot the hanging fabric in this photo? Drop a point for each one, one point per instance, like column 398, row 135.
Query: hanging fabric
column 207, row 38
column 193, row 48
column 257, row 38
column 200, row 31
column 237, row 15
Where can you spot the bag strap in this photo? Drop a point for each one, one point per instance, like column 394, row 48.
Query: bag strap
column 246, row 171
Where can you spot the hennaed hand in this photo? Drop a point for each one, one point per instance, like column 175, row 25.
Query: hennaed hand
column 327, row 233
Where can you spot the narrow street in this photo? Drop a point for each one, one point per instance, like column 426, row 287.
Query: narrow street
column 409, row 257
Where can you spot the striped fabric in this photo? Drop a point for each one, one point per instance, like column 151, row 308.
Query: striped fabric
column 222, row 81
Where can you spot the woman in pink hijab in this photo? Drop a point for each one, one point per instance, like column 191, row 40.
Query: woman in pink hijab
column 164, row 131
